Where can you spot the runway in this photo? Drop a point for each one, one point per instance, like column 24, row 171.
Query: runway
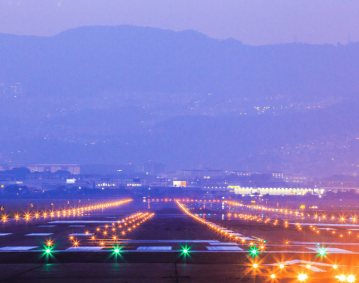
column 165, row 245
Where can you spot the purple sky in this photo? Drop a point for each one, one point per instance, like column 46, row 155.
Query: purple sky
column 253, row 22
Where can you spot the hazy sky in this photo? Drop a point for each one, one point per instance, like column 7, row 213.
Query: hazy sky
column 251, row 21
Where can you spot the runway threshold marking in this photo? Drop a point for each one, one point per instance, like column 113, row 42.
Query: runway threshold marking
column 224, row 248
column 84, row 249
column 39, row 234
column 17, row 248
column 153, row 248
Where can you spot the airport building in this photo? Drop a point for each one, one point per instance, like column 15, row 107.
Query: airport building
column 238, row 190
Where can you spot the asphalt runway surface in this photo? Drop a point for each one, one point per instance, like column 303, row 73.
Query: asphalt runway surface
column 164, row 244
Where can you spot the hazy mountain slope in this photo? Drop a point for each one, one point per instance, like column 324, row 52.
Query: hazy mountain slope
column 129, row 94
column 88, row 60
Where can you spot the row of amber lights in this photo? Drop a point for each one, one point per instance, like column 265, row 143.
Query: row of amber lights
column 215, row 227
column 301, row 277
column 312, row 227
column 185, row 200
column 128, row 224
column 288, row 211
column 68, row 212
column 317, row 231
column 259, row 219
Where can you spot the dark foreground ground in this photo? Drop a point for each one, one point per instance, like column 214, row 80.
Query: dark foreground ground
column 154, row 250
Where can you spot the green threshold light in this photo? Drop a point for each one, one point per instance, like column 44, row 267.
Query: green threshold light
column 254, row 251
column 322, row 252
